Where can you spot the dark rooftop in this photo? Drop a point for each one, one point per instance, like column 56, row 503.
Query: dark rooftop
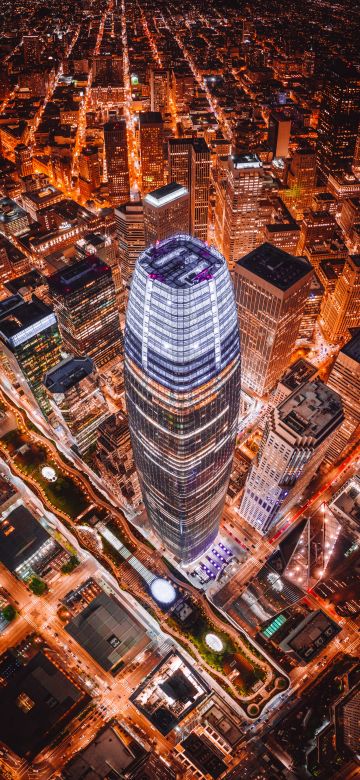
column 105, row 753
column 16, row 315
column 20, row 537
column 275, row 266
column 76, row 276
column 150, row 118
column 106, row 631
column 31, row 280
column 352, row 348
column 67, row 374
column 181, row 261
column 39, row 700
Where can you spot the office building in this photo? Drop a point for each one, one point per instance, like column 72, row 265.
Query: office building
column 310, row 636
column 300, row 183
column 182, row 381
column 345, row 380
column 159, row 90
column 244, row 189
column 151, row 136
column 345, row 505
column 116, row 157
column 166, row 212
column 341, row 310
column 89, row 171
column 311, row 311
column 297, row 434
column 130, row 232
column 31, row 342
column 189, row 165
column 23, row 160
column 279, row 134
column 14, row 221
column 26, row 547
column 32, row 48
column 271, row 289
column 39, row 699
column 339, row 120
column 115, row 459
column 77, row 402
column 107, row 631
column 85, row 303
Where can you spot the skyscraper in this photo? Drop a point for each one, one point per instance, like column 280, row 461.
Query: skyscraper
column 151, row 136
column 23, row 160
column 159, row 90
column 339, row 120
column 130, row 232
column 345, row 380
column 189, row 165
column 279, row 134
column 85, row 303
column 89, row 170
column 77, row 401
column 116, row 154
column 245, row 186
column 297, row 434
column 182, row 381
column 301, row 180
column 31, row 342
column 166, row 212
column 271, row 289
column 341, row 310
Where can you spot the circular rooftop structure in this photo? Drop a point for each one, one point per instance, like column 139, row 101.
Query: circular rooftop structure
column 49, row 473
column 162, row 591
column 214, row 642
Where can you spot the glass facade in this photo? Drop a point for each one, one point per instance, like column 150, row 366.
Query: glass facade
column 182, row 378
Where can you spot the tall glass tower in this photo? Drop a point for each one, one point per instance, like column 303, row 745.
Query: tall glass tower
column 182, row 379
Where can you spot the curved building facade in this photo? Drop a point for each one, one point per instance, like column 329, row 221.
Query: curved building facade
column 182, row 381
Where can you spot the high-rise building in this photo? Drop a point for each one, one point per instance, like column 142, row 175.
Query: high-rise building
column 189, row 165
column 301, row 179
column 345, row 380
column 348, row 714
column 77, row 402
column 130, row 234
column 182, row 382
column 339, row 120
column 311, row 311
column 297, row 434
column 245, row 186
column 31, row 342
column 199, row 187
column 85, row 303
column 89, row 170
column 159, row 90
column 32, row 48
column 271, row 289
column 23, row 160
column 117, row 165
column 166, row 212
column 115, row 459
column 279, row 134
column 151, row 135
column 341, row 310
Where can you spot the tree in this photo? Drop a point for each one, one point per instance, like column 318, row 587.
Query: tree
column 38, row 586
column 9, row 613
column 70, row 565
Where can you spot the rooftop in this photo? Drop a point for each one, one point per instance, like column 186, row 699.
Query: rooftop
column 181, row 261
column 68, row 373
column 150, row 118
column 275, row 266
column 312, row 410
column 299, row 373
column 17, row 317
column 352, row 348
column 9, row 210
column 39, row 700
column 76, row 276
column 20, row 536
column 166, row 194
column 244, row 161
column 106, row 631
column 105, row 753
